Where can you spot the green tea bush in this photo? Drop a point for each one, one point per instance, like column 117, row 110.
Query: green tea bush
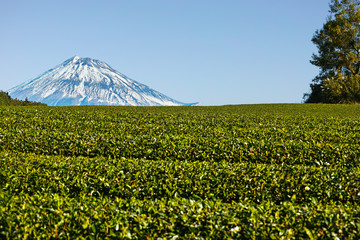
column 230, row 172
column 198, row 134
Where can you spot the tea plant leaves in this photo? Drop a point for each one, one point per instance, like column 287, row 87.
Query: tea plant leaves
column 230, row 172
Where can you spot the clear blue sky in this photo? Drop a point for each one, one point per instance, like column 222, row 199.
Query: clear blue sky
column 214, row 52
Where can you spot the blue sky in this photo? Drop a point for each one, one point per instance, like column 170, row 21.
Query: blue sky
column 214, row 52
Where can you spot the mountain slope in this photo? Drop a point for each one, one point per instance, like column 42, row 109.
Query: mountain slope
column 6, row 100
column 86, row 81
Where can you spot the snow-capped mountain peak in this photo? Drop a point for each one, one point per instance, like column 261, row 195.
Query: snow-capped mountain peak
column 75, row 58
column 86, row 81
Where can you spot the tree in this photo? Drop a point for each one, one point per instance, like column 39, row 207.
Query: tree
column 338, row 56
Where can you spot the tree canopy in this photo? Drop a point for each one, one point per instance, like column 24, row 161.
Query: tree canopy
column 338, row 56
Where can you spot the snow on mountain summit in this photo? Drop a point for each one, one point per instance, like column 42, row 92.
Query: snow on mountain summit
column 86, row 81
column 74, row 59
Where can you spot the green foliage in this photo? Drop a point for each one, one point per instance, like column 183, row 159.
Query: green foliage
column 245, row 172
column 338, row 57
column 6, row 100
column 211, row 134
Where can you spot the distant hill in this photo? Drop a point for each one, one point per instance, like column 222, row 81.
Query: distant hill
column 6, row 100
column 86, row 81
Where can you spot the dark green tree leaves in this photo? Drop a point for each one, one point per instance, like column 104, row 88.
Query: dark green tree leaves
column 338, row 56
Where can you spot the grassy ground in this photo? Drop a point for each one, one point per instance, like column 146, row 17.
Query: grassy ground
column 286, row 171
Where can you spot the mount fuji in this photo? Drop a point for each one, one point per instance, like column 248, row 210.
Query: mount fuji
column 86, row 81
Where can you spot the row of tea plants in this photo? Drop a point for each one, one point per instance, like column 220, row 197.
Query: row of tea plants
column 251, row 171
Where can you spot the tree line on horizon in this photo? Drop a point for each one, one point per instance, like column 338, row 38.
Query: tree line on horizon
column 6, row 100
column 338, row 57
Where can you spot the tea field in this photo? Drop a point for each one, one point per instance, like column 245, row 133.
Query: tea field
column 277, row 171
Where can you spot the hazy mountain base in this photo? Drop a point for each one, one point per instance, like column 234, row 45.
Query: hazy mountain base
column 6, row 100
